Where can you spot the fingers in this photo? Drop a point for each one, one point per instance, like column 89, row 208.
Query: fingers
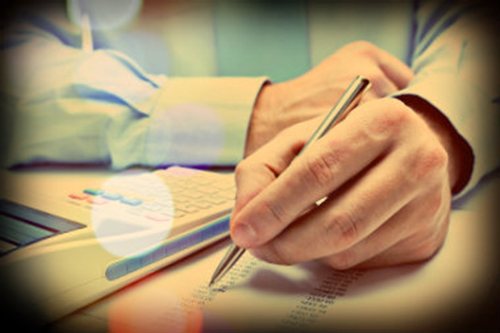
column 405, row 237
column 348, row 149
column 414, row 234
column 416, row 248
column 346, row 218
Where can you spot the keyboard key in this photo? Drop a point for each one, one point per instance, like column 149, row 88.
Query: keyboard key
column 92, row 191
column 78, row 196
column 111, row 195
column 131, row 201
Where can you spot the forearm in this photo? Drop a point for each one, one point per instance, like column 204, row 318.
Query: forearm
column 101, row 107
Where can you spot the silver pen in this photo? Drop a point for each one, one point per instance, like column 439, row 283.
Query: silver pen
column 344, row 105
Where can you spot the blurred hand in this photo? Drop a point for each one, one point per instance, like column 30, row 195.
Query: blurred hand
column 281, row 105
column 386, row 171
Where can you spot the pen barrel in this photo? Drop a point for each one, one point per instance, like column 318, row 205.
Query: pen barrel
column 349, row 99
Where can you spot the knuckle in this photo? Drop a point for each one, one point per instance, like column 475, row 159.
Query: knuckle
column 341, row 231
column 321, row 169
column 392, row 117
column 436, row 158
column 241, row 168
column 431, row 161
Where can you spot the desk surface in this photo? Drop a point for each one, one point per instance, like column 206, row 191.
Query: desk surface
column 454, row 290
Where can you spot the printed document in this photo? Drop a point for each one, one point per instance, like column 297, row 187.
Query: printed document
column 261, row 297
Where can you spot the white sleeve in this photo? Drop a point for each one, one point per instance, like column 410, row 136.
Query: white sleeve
column 456, row 61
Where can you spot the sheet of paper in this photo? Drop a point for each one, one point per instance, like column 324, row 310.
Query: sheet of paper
column 260, row 297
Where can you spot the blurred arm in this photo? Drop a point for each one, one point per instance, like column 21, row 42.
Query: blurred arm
column 69, row 106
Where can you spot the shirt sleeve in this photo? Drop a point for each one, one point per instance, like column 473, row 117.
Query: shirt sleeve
column 455, row 60
column 71, row 106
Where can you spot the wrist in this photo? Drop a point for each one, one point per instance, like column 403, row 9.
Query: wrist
column 262, row 126
column 460, row 156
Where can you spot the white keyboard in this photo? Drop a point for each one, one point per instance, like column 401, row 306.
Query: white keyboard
column 152, row 207
column 139, row 222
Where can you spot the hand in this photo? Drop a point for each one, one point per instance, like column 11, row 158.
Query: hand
column 387, row 172
column 281, row 105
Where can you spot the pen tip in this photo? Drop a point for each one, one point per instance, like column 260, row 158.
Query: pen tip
column 212, row 280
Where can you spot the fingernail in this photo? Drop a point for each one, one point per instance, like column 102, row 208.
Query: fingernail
column 244, row 235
